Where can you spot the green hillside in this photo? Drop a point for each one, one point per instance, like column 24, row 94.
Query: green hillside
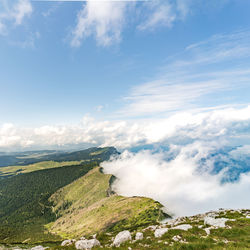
column 15, row 170
column 24, row 206
column 86, row 207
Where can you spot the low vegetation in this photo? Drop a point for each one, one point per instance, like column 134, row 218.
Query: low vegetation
column 15, row 170
column 85, row 207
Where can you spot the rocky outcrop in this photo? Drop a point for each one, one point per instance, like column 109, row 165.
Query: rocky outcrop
column 68, row 242
column 220, row 222
column 122, row 237
column 86, row 244
column 159, row 232
column 184, row 227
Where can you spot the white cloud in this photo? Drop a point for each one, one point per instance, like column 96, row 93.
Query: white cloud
column 161, row 13
column 102, row 19
column 227, row 124
column 13, row 13
column 22, row 9
column 201, row 75
column 105, row 20
column 180, row 184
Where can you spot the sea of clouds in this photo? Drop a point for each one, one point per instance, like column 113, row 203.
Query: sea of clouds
column 191, row 162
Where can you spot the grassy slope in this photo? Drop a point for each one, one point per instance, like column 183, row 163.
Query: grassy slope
column 89, row 209
column 14, row 170
column 236, row 237
column 24, row 206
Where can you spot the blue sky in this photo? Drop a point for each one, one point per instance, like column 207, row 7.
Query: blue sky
column 65, row 62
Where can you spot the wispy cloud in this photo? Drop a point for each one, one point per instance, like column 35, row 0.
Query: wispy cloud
column 13, row 13
column 217, row 65
column 161, row 13
column 106, row 20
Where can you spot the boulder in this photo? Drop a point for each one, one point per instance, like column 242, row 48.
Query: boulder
column 207, row 230
column 139, row 236
column 38, row 248
column 159, row 232
column 67, row 242
column 220, row 222
column 86, row 244
column 176, row 238
column 122, row 237
column 184, row 227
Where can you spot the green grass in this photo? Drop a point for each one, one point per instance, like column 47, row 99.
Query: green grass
column 24, row 205
column 90, row 209
column 15, row 170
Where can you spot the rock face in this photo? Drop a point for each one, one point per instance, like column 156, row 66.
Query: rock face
column 159, row 232
column 122, row 237
column 220, row 222
column 87, row 244
column 184, row 227
column 139, row 236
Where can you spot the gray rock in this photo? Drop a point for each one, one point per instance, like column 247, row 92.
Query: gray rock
column 122, row 237
column 86, row 244
column 139, row 236
column 176, row 238
column 159, row 232
column 220, row 222
column 207, row 230
column 67, row 242
column 38, row 248
column 184, row 227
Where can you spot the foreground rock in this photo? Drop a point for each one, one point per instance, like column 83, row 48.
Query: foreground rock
column 220, row 222
column 139, row 236
column 87, row 244
column 184, row 227
column 122, row 237
column 159, row 232
column 68, row 242
column 38, row 248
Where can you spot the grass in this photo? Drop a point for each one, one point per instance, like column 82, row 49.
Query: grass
column 92, row 210
column 15, row 170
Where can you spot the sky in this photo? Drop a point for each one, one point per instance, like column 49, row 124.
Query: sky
column 167, row 82
column 61, row 60
column 108, row 72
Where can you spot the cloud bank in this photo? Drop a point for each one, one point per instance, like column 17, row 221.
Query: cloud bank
column 226, row 124
column 181, row 184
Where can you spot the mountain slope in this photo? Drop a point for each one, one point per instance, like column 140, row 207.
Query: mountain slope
column 24, row 206
column 32, row 157
column 86, row 207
